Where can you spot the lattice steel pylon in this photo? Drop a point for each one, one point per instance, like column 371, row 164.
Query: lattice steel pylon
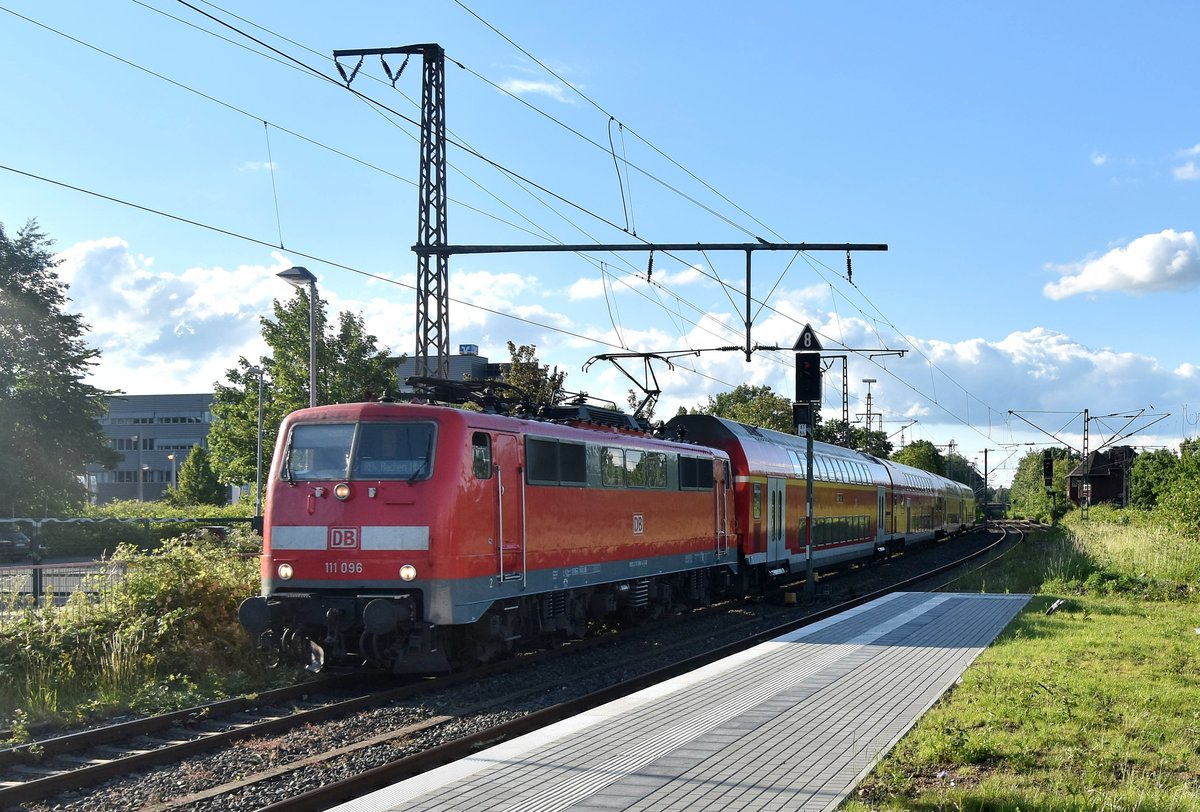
column 433, row 293
column 433, row 289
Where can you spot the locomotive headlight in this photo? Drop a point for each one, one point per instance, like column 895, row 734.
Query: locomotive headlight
column 408, row 572
column 342, row 491
column 285, row 572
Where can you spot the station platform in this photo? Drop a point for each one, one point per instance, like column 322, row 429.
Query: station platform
column 791, row 724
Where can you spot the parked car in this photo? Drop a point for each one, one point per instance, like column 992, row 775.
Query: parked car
column 16, row 546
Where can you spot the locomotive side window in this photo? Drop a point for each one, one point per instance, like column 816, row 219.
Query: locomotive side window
column 695, row 473
column 572, row 459
column 541, row 461
column 550, row 462
column 319, row 451
column 394, row 451
column 646, row 469
column 612, row 467
column 481, row 455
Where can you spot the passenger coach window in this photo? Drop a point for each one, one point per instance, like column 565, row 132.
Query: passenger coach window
column 481, row 455
column 394, row 451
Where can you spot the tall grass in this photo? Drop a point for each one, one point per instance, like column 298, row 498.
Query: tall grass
column 1130, row 543
column 1094, row 707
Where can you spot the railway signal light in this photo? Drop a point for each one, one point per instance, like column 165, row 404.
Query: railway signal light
column 808, row 377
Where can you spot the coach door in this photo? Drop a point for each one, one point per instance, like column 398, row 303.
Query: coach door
column 776, row 518
column 510, row 508
column 721, row 517
column 881, row 507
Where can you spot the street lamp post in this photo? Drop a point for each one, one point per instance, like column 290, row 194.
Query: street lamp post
column 257, row 371
column 171, row 457
column 137, row 441
column 300, row 277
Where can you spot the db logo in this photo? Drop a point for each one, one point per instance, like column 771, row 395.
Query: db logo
column 343, row 538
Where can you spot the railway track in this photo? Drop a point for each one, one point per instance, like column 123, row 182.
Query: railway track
column 50, row 768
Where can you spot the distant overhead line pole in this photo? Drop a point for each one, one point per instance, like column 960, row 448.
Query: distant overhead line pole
column 443, row 252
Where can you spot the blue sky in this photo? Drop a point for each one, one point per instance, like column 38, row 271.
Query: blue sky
column 1034, row 169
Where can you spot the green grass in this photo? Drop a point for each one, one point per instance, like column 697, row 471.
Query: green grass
column 1095, row 707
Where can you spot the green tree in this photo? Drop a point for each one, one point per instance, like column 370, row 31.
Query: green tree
column 1027, row 497
column 198, row 484
column 350, row 368
column 753, row 405
column 1150, row 477
column 49, row 418
column 1179, row 502
column 541, row 385
column 875, row 443
column 922, row 454
column 960, row 469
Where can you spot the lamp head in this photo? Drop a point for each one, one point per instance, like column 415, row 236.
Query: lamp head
column 298, row 276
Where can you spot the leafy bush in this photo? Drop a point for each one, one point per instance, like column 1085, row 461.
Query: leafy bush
column 163, row 635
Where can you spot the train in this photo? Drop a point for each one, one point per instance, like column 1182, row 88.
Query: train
column 420, row 537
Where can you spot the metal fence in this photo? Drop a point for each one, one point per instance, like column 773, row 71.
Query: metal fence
column 28, row 588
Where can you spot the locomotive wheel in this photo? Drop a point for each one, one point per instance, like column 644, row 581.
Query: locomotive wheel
column 270, row 651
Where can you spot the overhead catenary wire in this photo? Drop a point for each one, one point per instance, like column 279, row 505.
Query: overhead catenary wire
column 657, row 287
column 313, row 71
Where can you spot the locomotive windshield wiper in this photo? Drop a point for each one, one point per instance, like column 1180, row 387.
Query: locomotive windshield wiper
column 424, row 462
column 287, row 464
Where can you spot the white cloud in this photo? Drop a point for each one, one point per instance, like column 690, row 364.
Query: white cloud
column 164, row 331
column 1189, row 171
column 524, row 87
column 1099, row 159
column 584, row 289
column 1168, row 260
column 618, row 283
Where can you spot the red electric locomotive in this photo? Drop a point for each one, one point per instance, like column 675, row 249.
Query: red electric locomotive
column 419, row 536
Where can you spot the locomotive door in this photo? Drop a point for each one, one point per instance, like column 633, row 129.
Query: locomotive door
column 776, row 519
column 510, row 508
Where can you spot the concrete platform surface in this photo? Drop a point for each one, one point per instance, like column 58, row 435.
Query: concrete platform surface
column 791, row 724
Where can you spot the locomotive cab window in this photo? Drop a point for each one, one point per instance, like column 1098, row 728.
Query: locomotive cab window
column 319, row 451
column 481, row 455
column 394, row 451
